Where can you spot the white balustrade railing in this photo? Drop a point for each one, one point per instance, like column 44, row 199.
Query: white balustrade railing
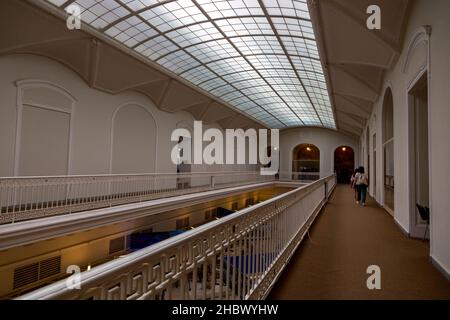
column 24, row 198
column 305, row 176
column 236, row 257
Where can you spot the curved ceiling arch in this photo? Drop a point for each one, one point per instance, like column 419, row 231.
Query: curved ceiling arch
column 206, row 42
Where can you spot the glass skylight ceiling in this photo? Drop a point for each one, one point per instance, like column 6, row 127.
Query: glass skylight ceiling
column 260, row 56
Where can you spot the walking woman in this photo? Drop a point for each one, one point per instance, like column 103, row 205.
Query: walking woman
column 362, row 182
column 353, row 183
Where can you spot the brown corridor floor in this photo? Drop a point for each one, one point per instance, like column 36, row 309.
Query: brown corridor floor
column 347, row 238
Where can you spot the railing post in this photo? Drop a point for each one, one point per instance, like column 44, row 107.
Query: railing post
column 212, row 182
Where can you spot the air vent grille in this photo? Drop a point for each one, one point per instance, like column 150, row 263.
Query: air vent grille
column 116, row 245
column 210, row 214
column 182, row 223
column 49, row 267
column 26, row 275
column 33, row 272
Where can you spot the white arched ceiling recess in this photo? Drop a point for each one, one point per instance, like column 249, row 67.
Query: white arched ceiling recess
column 134, row 140
column 357, row 57
column 44, row 126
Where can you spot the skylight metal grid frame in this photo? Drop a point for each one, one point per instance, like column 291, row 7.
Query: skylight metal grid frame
column 177, row 34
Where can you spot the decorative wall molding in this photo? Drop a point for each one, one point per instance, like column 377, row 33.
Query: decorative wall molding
column 22, row 86
column 421, row 37
column 131, row 103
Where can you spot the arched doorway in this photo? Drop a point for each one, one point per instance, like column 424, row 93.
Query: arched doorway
column 419, row 156
column 344, row 163
column 306, row 162
column 388, row 151
column 368, row 153
column 374, row 180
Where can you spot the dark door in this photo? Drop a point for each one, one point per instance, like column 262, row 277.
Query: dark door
column 344, row 164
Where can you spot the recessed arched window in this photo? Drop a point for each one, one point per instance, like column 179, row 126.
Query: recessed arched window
column 388, row 150
column 306, row 162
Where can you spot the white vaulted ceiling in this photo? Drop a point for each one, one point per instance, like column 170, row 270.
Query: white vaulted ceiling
column 260, row 56
column 251, row 63
column 357, row 58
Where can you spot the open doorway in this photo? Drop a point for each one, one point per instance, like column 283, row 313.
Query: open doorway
column 368, row 153
column 184, row 167
column 306, row 162
column 344, row 163
column 374, row 157
column 388, row 152
column 419, row 157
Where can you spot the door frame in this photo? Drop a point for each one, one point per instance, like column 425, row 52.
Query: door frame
column 417, row 230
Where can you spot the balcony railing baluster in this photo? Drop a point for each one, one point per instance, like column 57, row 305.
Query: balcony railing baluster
column 25, row 198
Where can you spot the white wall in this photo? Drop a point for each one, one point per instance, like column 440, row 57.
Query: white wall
column 418, row 56
column 134, row 138
column 326, row 140
column 92, row 116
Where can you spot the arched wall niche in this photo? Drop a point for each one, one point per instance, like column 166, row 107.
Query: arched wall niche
column 305, row 162
column 306, row 158
column 44, row 125
column 134, row 138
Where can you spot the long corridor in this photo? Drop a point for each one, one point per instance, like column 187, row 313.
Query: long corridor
column 345, row 240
